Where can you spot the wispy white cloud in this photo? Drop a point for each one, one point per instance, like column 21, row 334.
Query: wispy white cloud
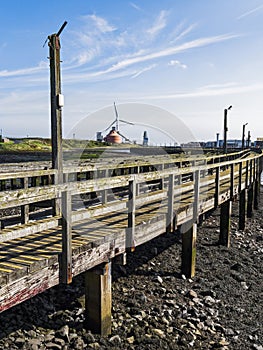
column 144, row 70
column 180, row 32
column 136, row 7
column 172, row 50
column 127, row 67
column 101, row 24
column 177, row 64
column 26, row 71
column 250, row 12
column 159, row 24
column 209, row 91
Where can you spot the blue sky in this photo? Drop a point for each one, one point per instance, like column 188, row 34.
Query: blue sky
column 188, row 59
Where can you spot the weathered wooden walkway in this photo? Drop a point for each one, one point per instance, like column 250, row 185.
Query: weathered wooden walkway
column 101, row 210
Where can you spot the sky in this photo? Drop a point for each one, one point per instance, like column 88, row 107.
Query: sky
column 171, row 67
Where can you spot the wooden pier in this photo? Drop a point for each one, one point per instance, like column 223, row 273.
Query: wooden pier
column 54, row 230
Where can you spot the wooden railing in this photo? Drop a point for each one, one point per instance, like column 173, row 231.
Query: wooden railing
column 24, row 190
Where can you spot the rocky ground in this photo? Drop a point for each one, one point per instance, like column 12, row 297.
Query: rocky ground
column 154, row 307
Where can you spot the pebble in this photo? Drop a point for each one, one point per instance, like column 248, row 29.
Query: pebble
column 130, row 340
column 257, row 347
column 192, row 294
column 158, row 332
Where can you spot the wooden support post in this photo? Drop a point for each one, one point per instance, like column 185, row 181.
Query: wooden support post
column 256, row 194
column 225, row 223
column 242, row 209
column 247, row 177
column 257, row 184
column 170, row 213
column 232, row 179
column 130, row 244
column 250, row 200
column 56, row 104
column 161, row 185
column 240, row 177
column 189, row 231
column 66, row 255
column 56, row 202
column 121, row 259
column 98, row 299
column 250, row 171
column 104, row 193
column 13, row 184
column 217, row 187
column 2, row 185
column 254, row 174
column 196, row 196
column 25, row 208
column 33, row 181
column 56, row 109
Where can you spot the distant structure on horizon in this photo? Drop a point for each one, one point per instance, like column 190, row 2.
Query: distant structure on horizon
column 145, row 139
column 113, row 137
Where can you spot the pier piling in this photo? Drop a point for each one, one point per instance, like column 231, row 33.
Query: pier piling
column 98, row 299
column 189, row 232
column 225, row 223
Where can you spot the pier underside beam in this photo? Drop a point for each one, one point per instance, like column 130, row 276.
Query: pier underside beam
column 98, row 299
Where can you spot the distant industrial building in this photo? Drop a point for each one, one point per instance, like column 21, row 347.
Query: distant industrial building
column 113, row 137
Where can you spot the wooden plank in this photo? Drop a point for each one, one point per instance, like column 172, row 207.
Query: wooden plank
column 28, row 286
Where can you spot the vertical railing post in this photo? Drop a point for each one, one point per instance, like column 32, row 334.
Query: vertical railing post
column 240, row 174
column 232, row 180
column 242, row 209
column 257, row 184
column 66, row 255
column 161, row 185
column 170, row 215
column 196, row 196
column 247, row 176
column 250, row 200
column 130, row 243
column 104, row 193
column 251, row 172
column 25, row 208
column 217, row 186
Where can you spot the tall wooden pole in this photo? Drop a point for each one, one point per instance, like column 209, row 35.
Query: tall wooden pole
column 56, row 107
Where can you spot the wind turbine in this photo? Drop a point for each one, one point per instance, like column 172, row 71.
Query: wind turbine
column 117, row 121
